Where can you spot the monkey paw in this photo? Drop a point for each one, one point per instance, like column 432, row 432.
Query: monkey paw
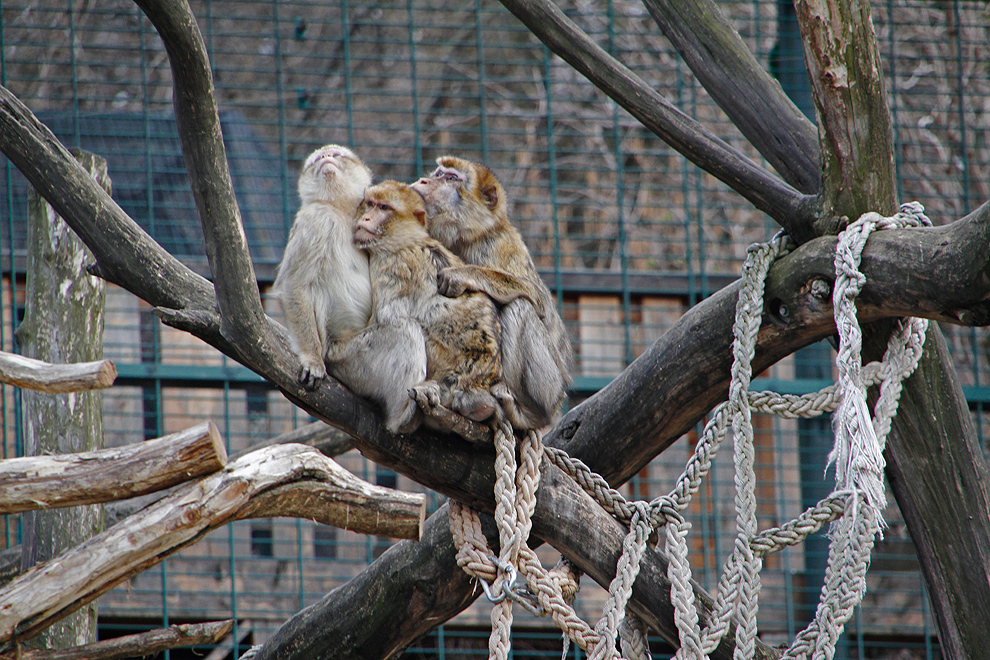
column 449, row 284
column 426, row 395
column 312, row 375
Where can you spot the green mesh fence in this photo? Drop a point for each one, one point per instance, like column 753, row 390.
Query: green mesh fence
column 625, row 231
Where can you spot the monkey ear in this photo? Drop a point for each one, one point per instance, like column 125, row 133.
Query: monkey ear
column 420, row 216
column 489, row 195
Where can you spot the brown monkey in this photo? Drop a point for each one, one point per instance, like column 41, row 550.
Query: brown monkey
column 323, row 282
column 461, row 333
column 466, row 211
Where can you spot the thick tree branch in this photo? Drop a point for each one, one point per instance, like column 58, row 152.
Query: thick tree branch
column 857, row 139
column 70, row 189
column 765, row 191
column 242, row 316
column 742, row 88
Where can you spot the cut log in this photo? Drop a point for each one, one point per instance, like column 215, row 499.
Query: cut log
column 105, row 475
column 140, row 645
column 47, row 377
column 330, row 441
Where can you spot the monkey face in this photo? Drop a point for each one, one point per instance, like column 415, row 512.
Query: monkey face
column 331, row 172
column 441, row 191
column 371, row 219
column 391, row 216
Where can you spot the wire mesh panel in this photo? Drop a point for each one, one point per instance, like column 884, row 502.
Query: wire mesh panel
column 625, row 232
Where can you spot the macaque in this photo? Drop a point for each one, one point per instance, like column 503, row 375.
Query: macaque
column 466, row 212
column 463, row 371
column 323, row 282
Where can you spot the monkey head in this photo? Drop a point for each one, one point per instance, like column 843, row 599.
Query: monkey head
column 391, row 216
column 333, row 173
column 463, row 201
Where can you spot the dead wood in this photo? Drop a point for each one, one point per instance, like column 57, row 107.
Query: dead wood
column 764, row 190
column 47, row 377
column 330, row 441
column 753, row 99
column 269, row 482
column 105, row 475
column 138, row 645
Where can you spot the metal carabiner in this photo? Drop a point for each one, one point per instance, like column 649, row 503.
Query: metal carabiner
column 510, row 579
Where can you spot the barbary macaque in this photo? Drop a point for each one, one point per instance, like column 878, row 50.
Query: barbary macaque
column 323, row 281
column 461, row 333
column 466, row 211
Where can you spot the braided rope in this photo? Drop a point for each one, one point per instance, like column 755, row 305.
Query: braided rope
column 854, row 509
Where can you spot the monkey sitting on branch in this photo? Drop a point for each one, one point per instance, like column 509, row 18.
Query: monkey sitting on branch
column 324, row 286
column 461, row 334
column 323, row 282
column 466, row 212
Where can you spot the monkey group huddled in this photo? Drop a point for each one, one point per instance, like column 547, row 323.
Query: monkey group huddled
column 420, row 293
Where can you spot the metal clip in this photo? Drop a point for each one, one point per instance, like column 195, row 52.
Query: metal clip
column 510, row 578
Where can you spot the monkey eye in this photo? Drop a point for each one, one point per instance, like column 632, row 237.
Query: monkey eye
column 384, row 207
column 450, row 176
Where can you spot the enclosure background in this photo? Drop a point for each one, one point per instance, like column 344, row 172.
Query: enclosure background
column 625, row 231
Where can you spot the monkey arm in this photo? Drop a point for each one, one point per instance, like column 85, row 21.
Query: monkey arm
column 300, row 317
column 498, row 285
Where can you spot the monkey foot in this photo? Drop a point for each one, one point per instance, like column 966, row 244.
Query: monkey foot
column 440, row 418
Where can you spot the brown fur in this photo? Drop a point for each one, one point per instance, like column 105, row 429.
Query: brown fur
column 467, row 211
column 462, row 333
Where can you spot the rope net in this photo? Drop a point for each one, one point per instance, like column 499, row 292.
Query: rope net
column 853, row 510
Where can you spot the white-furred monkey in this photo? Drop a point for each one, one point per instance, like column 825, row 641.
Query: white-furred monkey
column 466, row 211
column 323, row 282
column 461, row 333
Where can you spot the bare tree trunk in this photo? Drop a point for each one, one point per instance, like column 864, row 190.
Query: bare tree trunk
column 63, row 323
column 935, row 466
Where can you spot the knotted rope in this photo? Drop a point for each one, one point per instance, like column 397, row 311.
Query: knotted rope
column 854, row 508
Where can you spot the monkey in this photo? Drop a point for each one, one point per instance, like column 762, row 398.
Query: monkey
column 323, row 282
column 466, row 210
column 461, row 333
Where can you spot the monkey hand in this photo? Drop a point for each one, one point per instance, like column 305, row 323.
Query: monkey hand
column 312, row 373
column 427, row 395
column 450, row 282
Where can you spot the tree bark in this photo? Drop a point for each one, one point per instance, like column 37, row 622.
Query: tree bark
column 106, row 475
column 753, row 99
column 935, row 465
column 764, row 190
column 63, row 323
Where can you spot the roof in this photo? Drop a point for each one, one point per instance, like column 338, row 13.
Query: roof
column 149, row 181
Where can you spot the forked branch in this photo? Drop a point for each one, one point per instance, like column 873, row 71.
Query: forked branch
column 780, row 201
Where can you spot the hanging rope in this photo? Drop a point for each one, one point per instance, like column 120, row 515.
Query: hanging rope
column 854, row 509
